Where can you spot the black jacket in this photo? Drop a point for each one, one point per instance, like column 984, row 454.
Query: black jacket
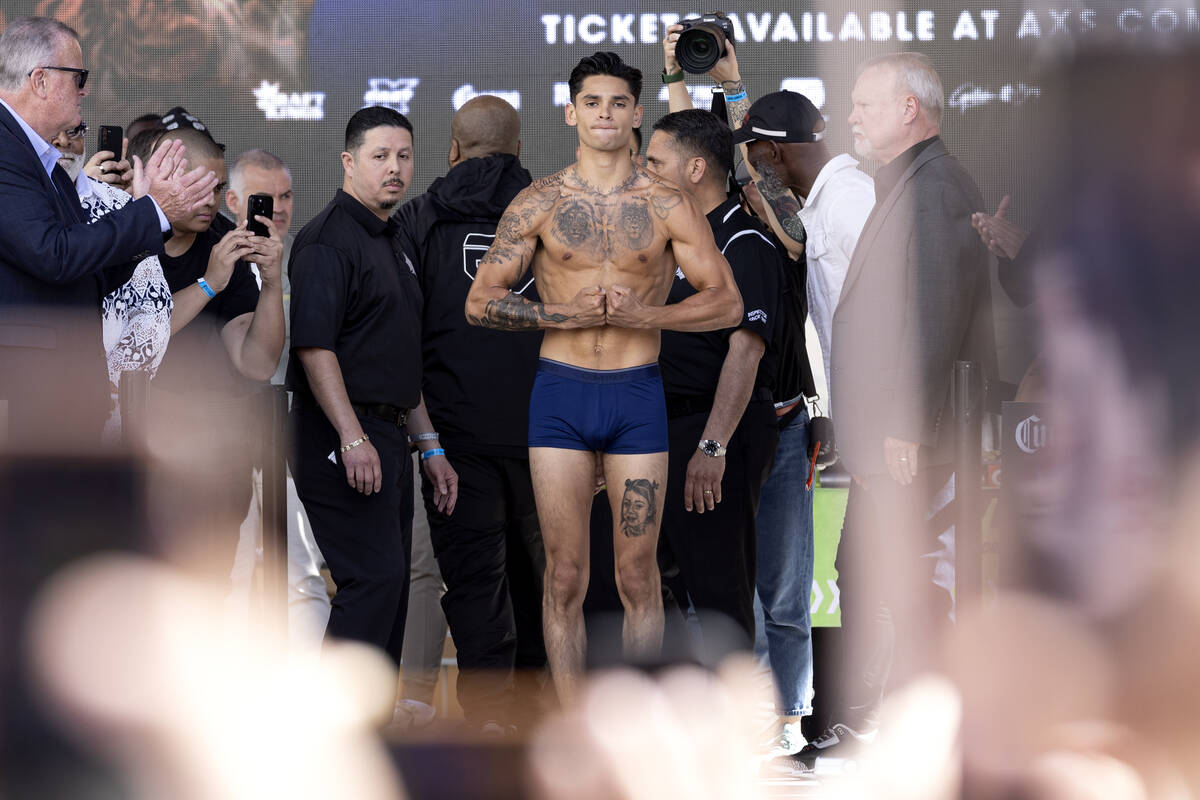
column 477, row 381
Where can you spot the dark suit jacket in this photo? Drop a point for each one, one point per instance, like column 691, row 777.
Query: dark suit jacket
column 916, row 298
column 54, row 270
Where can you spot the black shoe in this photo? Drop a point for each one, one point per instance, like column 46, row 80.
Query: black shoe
column 838, row 741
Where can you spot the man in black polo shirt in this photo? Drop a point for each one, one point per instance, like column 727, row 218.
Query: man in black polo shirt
column 356, row 335
column 490, row 552
column 721, row 417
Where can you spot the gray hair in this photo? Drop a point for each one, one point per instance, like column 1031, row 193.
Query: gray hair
column 263, row 159
column 27, row 44
column 914, row 74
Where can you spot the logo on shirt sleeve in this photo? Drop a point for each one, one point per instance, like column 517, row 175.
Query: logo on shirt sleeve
column 475, row 247
column 757, row 315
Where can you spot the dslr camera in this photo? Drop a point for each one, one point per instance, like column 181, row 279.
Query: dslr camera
column 702, row 42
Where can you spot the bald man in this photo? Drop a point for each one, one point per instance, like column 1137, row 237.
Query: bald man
column 490, row 550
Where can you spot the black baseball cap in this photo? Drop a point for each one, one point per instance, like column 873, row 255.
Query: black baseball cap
column 780, row 117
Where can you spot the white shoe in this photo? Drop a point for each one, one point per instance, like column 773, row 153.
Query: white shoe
column 411, row 715
column 789, row 741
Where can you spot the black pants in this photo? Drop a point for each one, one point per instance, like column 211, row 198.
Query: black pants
column 892, row 612
column 366, row 539
column 491, row 557
column 715, row 551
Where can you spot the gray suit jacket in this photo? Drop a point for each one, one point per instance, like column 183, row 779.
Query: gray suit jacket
column 916, row 299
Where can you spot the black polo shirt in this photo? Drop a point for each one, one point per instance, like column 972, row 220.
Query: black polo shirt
column 353, row 293
column 691, row 362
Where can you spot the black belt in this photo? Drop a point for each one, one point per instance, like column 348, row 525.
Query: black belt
column 685, row 405
column 393, row 414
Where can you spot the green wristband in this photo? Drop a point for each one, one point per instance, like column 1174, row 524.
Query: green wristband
column 673, row 77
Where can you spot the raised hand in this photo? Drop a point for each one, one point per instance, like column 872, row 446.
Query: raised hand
column 1000, row 235
column 267, row 253
column 234, row 246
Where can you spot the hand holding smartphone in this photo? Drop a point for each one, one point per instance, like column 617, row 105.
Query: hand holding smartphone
column 110, row 140
column 259, row 205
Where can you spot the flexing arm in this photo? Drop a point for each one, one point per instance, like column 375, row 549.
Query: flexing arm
column 491, row 303
column 734, row 388
column 716, row 304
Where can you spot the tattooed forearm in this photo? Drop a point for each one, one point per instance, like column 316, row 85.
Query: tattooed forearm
column 639, row 507
column 514, row 313
column 737, row 108
column 781, row 200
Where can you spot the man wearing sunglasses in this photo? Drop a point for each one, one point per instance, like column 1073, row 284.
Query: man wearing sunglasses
column 54, row 267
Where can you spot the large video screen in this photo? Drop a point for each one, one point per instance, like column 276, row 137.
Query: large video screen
column 286, row 75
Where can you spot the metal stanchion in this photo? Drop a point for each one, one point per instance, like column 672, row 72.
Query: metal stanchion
column 274, row 504
column 967, row 399
column 133, row 397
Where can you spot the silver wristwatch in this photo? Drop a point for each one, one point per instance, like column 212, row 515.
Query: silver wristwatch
column 711, row 448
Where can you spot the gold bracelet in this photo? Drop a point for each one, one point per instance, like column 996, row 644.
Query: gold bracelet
column 354, row 444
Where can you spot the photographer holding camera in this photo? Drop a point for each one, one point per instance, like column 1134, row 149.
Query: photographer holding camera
column 820, row 238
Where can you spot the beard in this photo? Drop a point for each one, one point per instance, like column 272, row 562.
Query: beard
column 72, row 164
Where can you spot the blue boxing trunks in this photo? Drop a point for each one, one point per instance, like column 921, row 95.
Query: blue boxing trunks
column 618, row 411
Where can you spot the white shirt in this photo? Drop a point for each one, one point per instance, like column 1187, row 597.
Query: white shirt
column 833, row 215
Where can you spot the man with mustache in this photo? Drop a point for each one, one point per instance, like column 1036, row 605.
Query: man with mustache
column 356, row 378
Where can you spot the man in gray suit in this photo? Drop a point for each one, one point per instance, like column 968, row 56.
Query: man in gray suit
column 916, row 299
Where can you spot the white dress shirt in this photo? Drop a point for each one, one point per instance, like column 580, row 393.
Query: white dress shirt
column 833, row 215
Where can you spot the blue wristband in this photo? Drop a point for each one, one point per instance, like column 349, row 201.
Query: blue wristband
column 436, row 451
column 733, row 98
column 203, row 284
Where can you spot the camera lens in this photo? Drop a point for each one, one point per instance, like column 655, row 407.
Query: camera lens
column 699, row 47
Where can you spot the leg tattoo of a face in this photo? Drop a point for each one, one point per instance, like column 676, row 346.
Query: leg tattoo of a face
column 638, row 509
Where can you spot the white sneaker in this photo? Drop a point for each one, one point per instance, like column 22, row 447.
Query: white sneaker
column 789, row 741
column 412, row 715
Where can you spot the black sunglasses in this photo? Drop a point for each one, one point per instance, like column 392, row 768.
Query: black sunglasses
column 81, row 75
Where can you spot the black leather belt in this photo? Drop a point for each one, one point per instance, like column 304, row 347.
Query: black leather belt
column 685, row 405
column 393, row 414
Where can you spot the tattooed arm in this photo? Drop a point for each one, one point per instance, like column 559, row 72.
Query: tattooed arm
column 491, row 303
column 728, row 75
column 782, row 207
column 717, row 303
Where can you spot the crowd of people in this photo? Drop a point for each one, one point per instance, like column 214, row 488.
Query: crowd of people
column 597, row 380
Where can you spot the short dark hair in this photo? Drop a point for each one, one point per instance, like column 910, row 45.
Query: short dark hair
column 372, row 117
column 637, row 141
column 702, row 134
column 605, row 63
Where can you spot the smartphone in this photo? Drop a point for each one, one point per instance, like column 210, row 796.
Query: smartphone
column 110, row 140
column 259, row 205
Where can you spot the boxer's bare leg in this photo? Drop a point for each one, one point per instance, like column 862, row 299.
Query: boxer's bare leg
column 636, row 487
column 563, row 484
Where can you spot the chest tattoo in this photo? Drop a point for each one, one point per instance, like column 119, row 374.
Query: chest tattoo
column 598, row 227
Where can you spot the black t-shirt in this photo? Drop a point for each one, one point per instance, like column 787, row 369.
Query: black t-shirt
column 196, row 359
column 477, row 381
column 355, row 294
column 691, row 362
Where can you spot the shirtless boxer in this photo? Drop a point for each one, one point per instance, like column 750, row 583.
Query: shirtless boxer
column 603, row 238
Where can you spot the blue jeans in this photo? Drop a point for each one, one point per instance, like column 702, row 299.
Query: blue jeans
column 783, row 630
